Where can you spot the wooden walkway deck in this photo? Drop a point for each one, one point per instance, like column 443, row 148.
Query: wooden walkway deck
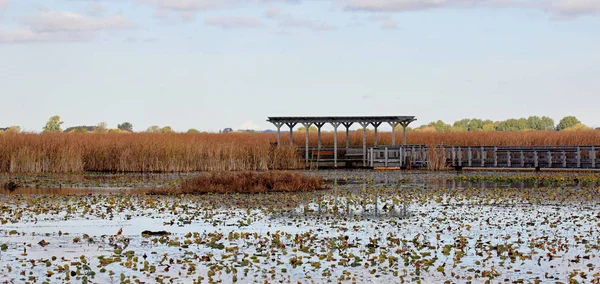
column 417, row 156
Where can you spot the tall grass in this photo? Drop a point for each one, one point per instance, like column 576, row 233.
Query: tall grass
column 72, row 152
column 144, row 152
column 248, row 182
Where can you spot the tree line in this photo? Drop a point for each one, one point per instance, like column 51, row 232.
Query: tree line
column 545, row 123
column 511, row 124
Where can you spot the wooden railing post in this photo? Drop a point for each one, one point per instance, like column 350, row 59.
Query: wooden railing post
column 578, row 157
column 469, row 156
column 508, row 158
column 483, row 157
column 495, row 156
column 549, row 159
column 386, row 156
column 522, row 160
column 593, row 155
column 453, row 157
column 535, row 159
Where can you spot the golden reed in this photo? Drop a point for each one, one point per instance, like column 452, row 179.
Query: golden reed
column 147, row 152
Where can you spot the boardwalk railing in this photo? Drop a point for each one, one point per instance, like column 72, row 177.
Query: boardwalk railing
column 568, row 157
column 418, row 156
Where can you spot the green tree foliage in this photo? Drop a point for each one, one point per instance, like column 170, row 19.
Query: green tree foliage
column 567, row 122
column 311, row 129
column 126, row 126
column 153, row 129
column 193, row 130
column 101, row 127
column 167, row 129
column 540, row 123
column 513, row 124
column 53, row 124
column 440, row 126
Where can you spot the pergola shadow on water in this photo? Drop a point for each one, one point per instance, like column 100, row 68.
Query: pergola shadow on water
column 336, row 121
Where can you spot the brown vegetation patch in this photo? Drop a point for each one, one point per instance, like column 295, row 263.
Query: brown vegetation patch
column 148, row 152
column 247, row 182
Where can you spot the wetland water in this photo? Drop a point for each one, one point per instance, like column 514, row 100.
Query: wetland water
column 369, row 227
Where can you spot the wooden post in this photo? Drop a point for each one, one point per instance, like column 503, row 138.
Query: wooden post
column 483, row 156
column 291, row 126
column 593, row 154
column 404, row 125
column 453, row 157
column 564, row 158
column 508, row 159
column 459, row 156
column 535, row 159
column 364, row 125
column 319, row 125
column 578, row 157
column 372, row 157
column 376, row 125
column 335, row 143
column 393, row 125
column 306, row 126
column 469, row 156
column 278, row 125
column 522, row 159
column 549, row 159
column 495, row 156
column 386, row 156
column 401, row 156
column 347, row 125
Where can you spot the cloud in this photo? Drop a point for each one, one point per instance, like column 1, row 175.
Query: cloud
column 573, row 8
column 191, row 5
column 53, row 21
column 27, row 35
column 288, row 20
column 3, row 4
column 95, row 9
column 227, row 22
column 62, row 26
column 562, row 8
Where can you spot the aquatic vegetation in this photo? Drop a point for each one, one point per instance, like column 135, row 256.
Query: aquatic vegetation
column 407, row 229
column 544, row 179
column 249, row 182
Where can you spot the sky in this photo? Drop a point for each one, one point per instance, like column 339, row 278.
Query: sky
column 212, row 64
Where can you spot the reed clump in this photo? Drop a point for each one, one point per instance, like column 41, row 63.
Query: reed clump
column 249, row 182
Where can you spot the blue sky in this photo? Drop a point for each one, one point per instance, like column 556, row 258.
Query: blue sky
column 211, row 64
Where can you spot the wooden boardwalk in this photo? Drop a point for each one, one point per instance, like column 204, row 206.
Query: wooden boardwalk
column 417, row 156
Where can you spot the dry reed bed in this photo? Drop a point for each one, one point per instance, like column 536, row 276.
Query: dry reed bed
column 246, row 182
column 493, row 138
column 62, row 153
column 143, row 152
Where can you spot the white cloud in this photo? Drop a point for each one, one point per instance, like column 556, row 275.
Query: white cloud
column 27, row 35
column 570, row 8
column 53, row 21
column 564, row 8
column 187, row 5
column 288, row 20
column 62, row 26
column 227, row 22
column 3, row 4
column 95, row 9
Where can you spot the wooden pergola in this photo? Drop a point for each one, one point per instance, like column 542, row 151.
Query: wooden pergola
column 336, row 121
